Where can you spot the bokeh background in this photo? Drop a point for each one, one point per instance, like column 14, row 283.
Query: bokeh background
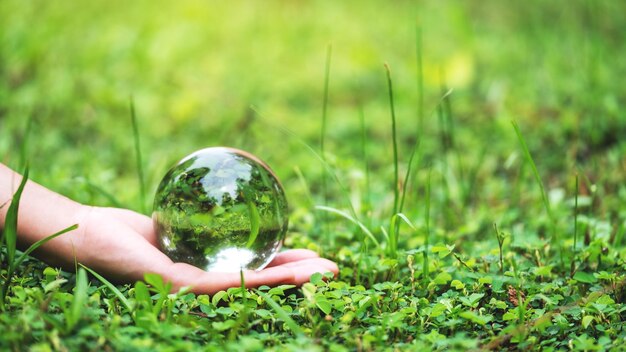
column 251, row 75
column 194, row 69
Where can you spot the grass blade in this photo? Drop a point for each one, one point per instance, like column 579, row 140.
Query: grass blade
column 329, row 51
column 9, row 235
column 293, row 326
column 407, row 176
column 425, row 269
column 24, row 144
column 420, row 77
column 323, row 135
column 111, row 287
column 139, row 163
column 396, row 194
column 394, row 228
column 576, row 217
column 40, row 243
column 529, row 158
column 368, row 200
column 353, row 220
column 110, row 197
column 77, row 306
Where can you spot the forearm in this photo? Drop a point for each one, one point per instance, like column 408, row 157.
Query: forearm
column 41, row 213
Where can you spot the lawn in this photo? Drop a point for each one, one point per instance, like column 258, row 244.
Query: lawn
column 462, row 162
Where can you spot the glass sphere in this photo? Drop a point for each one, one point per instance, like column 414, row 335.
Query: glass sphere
column 221, row 209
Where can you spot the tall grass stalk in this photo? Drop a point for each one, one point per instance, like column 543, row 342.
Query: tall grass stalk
column 576, row 190
column 425, row 268
column 24, row 144
column 394, row 226
column 444, row 142
column 544, row 196
column 451, row 133
column 367, row 201
column 138, row 161
column 394, row 233
column 79, row 300
column 420, row 78
column 396, row 191
column 329, row 50
column 500, row 238
column 9, row 234
column 407, row 176
column 243, row 314
column 531, row 161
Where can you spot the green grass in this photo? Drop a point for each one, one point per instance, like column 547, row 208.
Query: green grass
column 420, row 266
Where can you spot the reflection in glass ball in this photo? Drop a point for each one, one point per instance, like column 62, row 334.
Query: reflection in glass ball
column 221, row 209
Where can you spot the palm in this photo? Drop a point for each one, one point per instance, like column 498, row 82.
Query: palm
column 123, row 246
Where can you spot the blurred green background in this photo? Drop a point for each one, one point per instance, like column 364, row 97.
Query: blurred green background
column 194, row 69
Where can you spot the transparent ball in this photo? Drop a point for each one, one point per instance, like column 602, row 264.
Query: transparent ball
column 221, row 209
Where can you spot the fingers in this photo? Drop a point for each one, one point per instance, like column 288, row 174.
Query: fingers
column 292, row 255
column 304, row 269
column 200, row 281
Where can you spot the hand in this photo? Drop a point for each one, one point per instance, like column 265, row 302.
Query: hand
column 122, row 245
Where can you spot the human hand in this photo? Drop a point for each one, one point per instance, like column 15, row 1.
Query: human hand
column 122, row 245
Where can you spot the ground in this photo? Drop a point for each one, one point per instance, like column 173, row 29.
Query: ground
column 508, row 172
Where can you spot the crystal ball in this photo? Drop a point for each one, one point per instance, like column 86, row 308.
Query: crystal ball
column 221, row 209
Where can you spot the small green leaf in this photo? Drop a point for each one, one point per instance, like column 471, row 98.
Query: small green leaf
column 485, row 280
column 156, row 281
column 225, row 325
column 475, row 318
column 322, row 303
column 50, row 272
column 587, row 320
column 457, row 284
column 280, row 290
column 217, row 297
column 584, row 277
column 472, row 300
column 510, row 315
column 498, row 304
column 53, row 285
column 316, row 279
column 545, row 271
column 142, row 295
column 442, row 278
column 308, row 289
column 442, row 250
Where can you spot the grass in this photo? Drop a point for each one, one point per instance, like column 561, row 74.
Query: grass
column 420, row 267
column 138, row 161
